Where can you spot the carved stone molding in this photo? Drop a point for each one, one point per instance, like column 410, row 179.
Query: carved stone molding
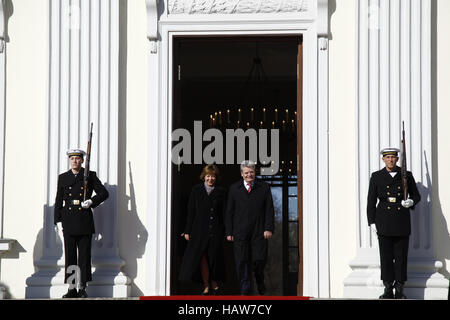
column 322, row 18
column 236, row 6
column 152, row 23
column 2, row 26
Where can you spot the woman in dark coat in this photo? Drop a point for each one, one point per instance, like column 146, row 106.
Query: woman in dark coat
column 204, row 232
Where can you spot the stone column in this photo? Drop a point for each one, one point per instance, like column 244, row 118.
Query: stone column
column 83, row 89
column 2, row 106
column 4, row 243
column 394, row 85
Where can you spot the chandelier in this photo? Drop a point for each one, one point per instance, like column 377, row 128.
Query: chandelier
column 254, row 113
column 273, row 117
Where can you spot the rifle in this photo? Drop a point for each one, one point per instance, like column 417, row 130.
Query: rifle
column 86, row 166
column 403, row 170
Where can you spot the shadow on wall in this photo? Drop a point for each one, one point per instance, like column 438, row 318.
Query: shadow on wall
column 441, row 238
column 14, row 252
column 131, row 233
column 9, row 10
column 47, row 250
column 440, row 233
column 132, row 236
column 109, row 267
column 105, row 233
column 331, row 11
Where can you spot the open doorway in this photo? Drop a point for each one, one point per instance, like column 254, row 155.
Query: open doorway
column 248, row 83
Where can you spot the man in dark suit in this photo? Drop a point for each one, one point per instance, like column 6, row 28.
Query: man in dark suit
column 249, row 223
column 390, row 219
column 73, row 216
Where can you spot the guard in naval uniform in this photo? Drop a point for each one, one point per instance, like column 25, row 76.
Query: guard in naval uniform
column 390, row 218
column 74, row 217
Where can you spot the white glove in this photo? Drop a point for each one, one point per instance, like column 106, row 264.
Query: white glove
column 59, row 228
column 373, row 227
column 86, row 204
column 408, row 203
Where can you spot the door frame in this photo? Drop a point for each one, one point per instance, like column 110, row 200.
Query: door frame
column 300, row 166
column 314, row 135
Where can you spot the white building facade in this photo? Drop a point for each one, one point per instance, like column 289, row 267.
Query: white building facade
column 367, row 65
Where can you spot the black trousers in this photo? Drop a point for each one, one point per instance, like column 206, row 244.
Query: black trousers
column 78, row 257
column 393, row 258
column 243, row 250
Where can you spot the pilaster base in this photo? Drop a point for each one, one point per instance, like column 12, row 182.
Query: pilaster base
column 48, row 282
column 424, row 280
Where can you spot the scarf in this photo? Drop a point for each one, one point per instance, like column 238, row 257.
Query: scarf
column 209, row 189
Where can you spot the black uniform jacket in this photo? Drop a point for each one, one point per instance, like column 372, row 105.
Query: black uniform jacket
column 389, row 216
column 76, row 220
column 249, row 214
column 206, row 231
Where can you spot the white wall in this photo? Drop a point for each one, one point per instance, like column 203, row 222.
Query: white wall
column 441, row 149
column 26, row 94
column 342, row 137
column 133, row 146
column 26, row 98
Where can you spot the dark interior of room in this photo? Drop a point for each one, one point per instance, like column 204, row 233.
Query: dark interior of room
column 214, row 78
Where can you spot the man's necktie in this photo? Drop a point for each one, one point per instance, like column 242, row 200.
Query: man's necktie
column 249, row 188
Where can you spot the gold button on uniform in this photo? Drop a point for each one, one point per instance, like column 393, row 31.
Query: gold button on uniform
column 387, row 187
column 389, row 208
column 70, row 208
column 398, row 188
column 80, row 208
column 388, row 193
column 70, row 194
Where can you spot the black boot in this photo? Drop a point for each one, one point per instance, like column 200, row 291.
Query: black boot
column 82, row 292
column 388, row 290
column 215, row 291
column 261, row 288
column 399, row 290
column 71, row 293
